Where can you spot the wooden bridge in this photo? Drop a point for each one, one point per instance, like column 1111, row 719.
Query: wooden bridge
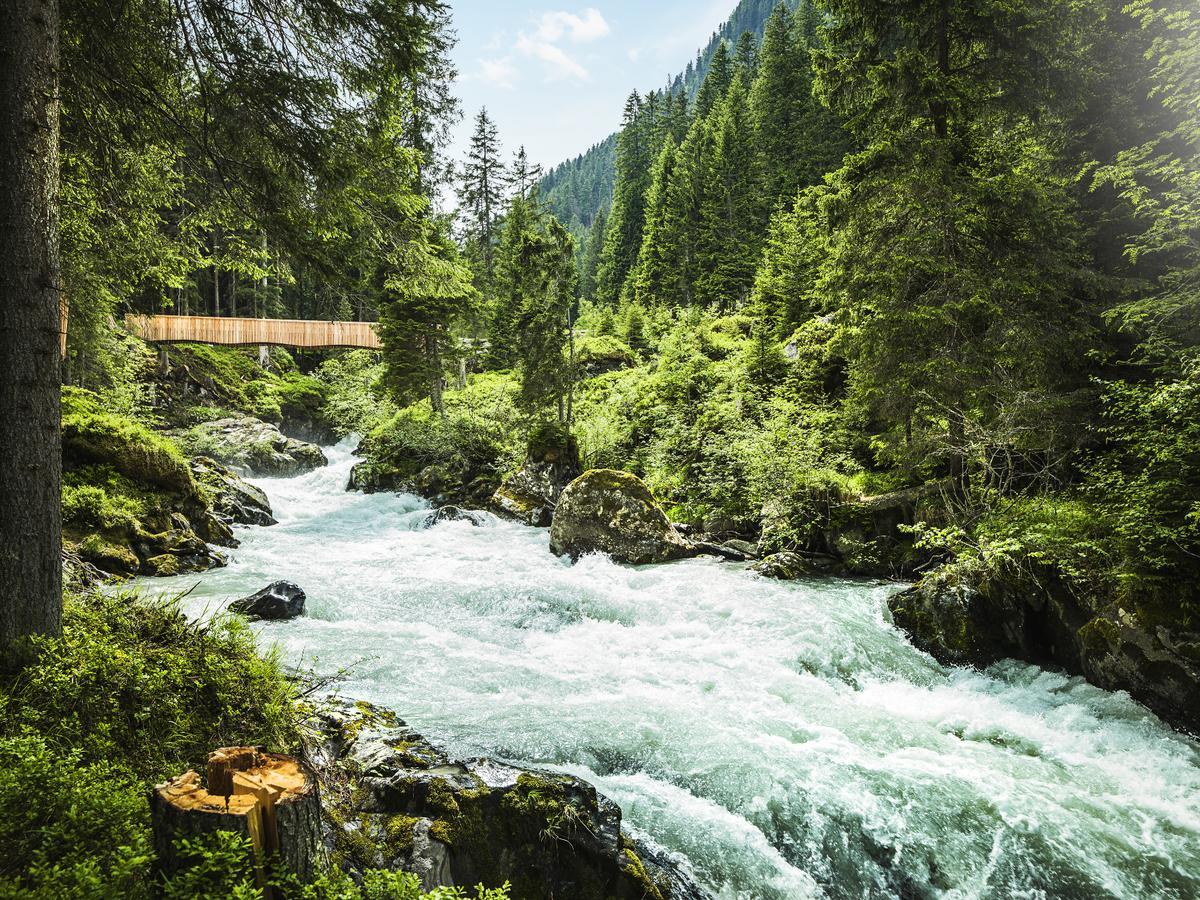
column 301, row 333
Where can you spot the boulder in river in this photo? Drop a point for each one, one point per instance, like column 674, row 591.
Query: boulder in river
column 531, row 494
column 251, row 445
column 613, row 512
column 455, row 514
column 401, row 803
column 787, row 565
column 278, row 601
column 235, row 500
column 967, row 613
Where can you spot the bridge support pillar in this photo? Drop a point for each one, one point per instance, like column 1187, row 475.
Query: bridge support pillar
column 264, row 356
column 164, row 362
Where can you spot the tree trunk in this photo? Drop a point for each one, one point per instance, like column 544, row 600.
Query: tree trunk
column 30, row 292
column 433, row 357
column 271, row 799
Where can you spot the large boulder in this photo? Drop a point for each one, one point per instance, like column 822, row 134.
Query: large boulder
column 970, row 613
column 613, row 512
column 253, row 446
column 399, row 802
column 530, row 496
column 234, row 500
column 279, row 601
column 787, row 565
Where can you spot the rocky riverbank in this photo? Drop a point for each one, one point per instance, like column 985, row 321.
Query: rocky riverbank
column 396, row 801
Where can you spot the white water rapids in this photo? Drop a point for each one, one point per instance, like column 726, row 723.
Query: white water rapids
column 784, row 740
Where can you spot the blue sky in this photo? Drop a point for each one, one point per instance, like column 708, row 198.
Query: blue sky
column 554, row 76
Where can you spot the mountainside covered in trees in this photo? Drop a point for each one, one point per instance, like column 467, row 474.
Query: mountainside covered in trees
column 577, row 189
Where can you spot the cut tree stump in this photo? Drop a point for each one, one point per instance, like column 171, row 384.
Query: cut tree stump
column 267, row 797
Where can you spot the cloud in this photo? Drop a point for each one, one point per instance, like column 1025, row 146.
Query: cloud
column 558, row 64
column 591, row 26
column 550, row 30
column 499, row 72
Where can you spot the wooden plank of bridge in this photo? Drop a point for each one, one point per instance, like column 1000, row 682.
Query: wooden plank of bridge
column 300, row 333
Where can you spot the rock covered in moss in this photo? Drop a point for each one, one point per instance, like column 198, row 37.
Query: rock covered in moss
column 233, row 499
column 968, row 613
column 531, row 494
column 606, row 511
column 251, row 445
column 276, row 602
column 787, row 566
column 130, row 503
column 399, row 802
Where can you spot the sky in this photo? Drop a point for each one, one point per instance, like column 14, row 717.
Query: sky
column 555, row 76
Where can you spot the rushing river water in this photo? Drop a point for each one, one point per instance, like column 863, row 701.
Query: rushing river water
column 784, row 740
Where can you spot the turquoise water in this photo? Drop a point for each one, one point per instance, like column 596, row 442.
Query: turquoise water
column 782, row 740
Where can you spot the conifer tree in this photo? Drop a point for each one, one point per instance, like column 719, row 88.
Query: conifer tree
column 729, row 209
column 623, row 237
column 745, row 57
column 523, row 176
column 482, row 191
column 546, row 366
column 590, row 260
column 780, row 99
column 657, row 278
column 513, row 282
column 716, row 82
column 426, row 294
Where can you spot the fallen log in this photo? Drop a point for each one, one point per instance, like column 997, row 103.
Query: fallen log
column 268, row 798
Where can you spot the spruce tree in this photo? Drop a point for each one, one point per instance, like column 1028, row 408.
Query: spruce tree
column 590, row 260
column 623, row 237
column 482, row 193
column 716, row 82
column 426, row 294
column 523, row 176
column 780, row 99
column 729, row 238
column 657, row 277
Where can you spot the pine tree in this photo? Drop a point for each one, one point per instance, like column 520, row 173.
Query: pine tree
column 522, row 176
column 545, row 363
column 657, row 277
column 428, row 291
column 513, row 283
column 780, row 100
column 730, row 231
column 482, row 192
column 623, row 237
column 716, row 82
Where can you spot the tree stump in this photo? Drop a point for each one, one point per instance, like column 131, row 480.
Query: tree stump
column 267, row 797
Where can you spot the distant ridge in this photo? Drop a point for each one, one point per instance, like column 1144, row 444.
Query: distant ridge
column 577, row 189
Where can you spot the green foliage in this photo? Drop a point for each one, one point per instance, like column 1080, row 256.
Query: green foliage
column 355, row 402
column 131, row 693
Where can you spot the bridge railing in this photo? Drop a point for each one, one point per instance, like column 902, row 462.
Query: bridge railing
column 301, row 333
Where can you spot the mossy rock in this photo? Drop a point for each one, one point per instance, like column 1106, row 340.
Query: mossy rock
column 251, row 445
column 405, row 804
column 608, row 511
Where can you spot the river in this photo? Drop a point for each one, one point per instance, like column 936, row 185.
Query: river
column 782, row 739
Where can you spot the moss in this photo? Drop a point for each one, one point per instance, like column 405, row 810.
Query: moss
column 633, row 867
column 108, row 556
column 398, row 831
column 440, row 798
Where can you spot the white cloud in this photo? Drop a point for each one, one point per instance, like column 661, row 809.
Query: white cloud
column 558, row 64
column 499, row 72
column 591, row 26
column 550, row 30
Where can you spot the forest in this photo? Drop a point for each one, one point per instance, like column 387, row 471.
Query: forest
column 890, row 296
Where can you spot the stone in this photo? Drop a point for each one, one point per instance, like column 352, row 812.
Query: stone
column 531, row 494
column 967, row 613
column 399, row 802
column 606, row 511
column 455, row 514
column 279, row 601
column 787, row 565
column 252, row 446
column 723, row 551
column 233, row 499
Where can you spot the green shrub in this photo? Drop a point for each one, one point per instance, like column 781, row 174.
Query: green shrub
column 90, row 505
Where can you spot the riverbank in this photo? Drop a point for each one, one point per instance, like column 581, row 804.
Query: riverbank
column 782, row 738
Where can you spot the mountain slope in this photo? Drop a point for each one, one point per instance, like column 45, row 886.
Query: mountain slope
column 578, row 188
